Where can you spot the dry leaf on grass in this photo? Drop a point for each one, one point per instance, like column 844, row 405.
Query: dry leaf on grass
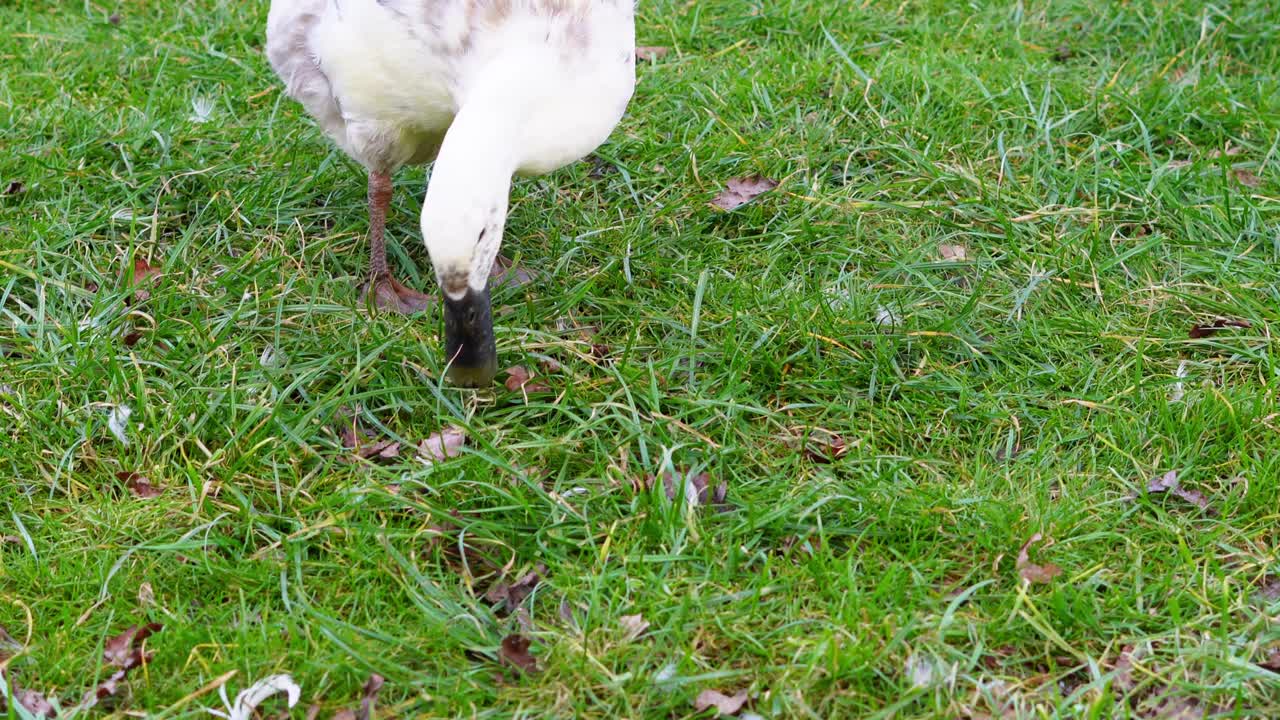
column 1200, row 331
column 821, row 445
column 1031, row 572
column 442, row 445
column 139, row 485
column 1246, row 178
column 381, row 450
column 354, row 437
column 651, row 52
column 143, row 271
column 7, row 641
column 741, row 190
column 515, row 652
column 34, row 702
column 125, row 650
column 1123, row 678
column 511, row 595
column 723, row 704
column 105, row 689
column 1169, row 483
column 633, row 626
column 696, row 488
column 14, row 187
column 518, row 380
column 953, row 253
column 505, row 273
column 369, row 696
column 1270, row 589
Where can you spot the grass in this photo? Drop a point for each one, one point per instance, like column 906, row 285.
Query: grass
column 1109, row 168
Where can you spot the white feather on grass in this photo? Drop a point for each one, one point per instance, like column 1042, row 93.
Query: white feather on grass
column 249, row 699
column 118, row 423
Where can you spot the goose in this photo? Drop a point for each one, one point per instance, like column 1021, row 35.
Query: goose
column 485, row 90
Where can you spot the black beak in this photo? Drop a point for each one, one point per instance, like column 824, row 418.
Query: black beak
column 469, row 346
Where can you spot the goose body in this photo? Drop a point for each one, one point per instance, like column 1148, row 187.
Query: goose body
column 487, row 89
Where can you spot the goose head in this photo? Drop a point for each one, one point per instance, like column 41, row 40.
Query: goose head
column 463, row 218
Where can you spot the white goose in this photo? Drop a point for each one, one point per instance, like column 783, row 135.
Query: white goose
column 488, row 89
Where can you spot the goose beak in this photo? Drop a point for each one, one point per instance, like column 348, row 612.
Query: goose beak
column 469, row 345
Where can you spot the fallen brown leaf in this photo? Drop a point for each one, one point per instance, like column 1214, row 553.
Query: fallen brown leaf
column 345, row 714
column 518, row 379
column 511, row 595
column 505, row 273
column 1162, row 483
column 355, row 437
column 442, row 445
column 143, row 271
column 953, row 253
column 125, row 650
column 349, row 430
column 651, row 52
column 548, row 366
column 1123, row 680
column 381, row 450
column 633, row 626
column 1031, row 572
column 696, row 488
column 131, row 338
column 599, row 167
column 105, row 689
column 1169, row 483
column 370, row 696
column 34, row 702
column 742, row 190
column 1212, row 328
column 723, row 704
column 1246, row 177
column 566, row 614
column 14, row 187
column 515, row 652
column 1270, row 590
column 822, row 446
column 7, row 641
column 139, row 485
column 1005, row 452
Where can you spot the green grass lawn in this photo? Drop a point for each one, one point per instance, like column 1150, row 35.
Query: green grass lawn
column 996, row 228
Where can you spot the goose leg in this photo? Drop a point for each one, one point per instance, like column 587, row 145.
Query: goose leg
column 388, row 293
